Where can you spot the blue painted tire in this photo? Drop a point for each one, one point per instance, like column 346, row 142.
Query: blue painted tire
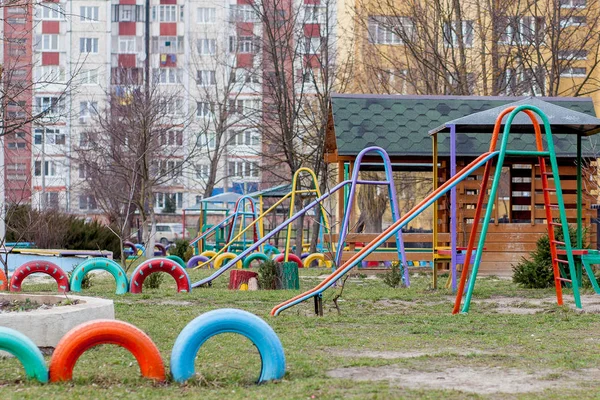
column 26, row 352
column 227, row 320
column 104, row 264
column 194, row 261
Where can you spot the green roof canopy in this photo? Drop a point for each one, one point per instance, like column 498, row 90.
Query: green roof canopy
column 400, row 124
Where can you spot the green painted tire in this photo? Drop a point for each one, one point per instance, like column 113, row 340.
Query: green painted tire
column 178, row 260
column 103, row 264
column 26, row 352
column 255, row 256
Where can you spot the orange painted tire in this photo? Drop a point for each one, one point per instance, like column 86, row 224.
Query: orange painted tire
column 103, row 331
column 3, row 280
column 291, row 258
column 160, row 265
column 39, row 266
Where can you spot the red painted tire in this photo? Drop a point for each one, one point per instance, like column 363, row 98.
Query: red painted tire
column 87, row 335
column 160, row 265
column 38, row 266
column 291, row 257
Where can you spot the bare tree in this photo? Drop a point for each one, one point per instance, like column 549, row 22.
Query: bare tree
column 490, row 47
column 137, row 150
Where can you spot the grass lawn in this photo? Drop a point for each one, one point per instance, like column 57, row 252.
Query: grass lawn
column 386, row 343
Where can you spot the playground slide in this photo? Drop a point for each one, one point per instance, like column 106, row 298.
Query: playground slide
column 389, row 232
column 263, row 240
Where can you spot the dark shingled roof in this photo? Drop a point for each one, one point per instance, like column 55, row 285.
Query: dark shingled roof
column 400, row 124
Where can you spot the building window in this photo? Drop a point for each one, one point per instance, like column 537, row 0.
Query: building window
column 175, row 198
column 249, row 137
column 202, row 171
column 574, row 20
column 244, row 106
column 208, row 140
column 49, row 42
column 167, row 13
column 172, row 105
column 127, row 76
column 313, row 14
column 88, row 14
column 50, row 200
column 522, row 30
column 242, row 45
column 51, row 11
column 167, row 44
column 86, row 138
column 204, row 109
column 390, row 30
column 167, row 76
column 243, row 13
column 49, row 105
column 172, row 168
column 572, row 54
column 128, row 13
column 452, row 30
column 575, row 72
column 206, row 15
column 206, row 77
column 49, row 168
column 16, row 109
column 86, row 110
column 207, row 46
column 49, row 74
column 51, row 135
column 243, row 169
column 524, row 82
column 171, row 138
column 573, row 3
column 312, row 45
column 127, row 45
column 89, row 76
column 83, row 171
column 16, row 140
column 87, row 202
column 88, row 45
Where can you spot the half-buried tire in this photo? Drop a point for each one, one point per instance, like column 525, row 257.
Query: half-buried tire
column 87, row 335
column 160, row 265
column 39, row 266
column 103, row 264
column 26, row 352
column 227, row 320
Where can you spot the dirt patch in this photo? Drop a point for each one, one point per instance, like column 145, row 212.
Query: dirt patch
column 391, row 355
column 480, row 380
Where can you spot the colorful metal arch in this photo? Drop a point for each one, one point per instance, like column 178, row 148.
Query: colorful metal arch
column 39, row 266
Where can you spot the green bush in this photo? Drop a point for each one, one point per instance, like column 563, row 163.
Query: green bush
column 393, row 277
column 87, row 281
column 268, row 275
column 536, row 272
column 182, row 249
column 154, row 280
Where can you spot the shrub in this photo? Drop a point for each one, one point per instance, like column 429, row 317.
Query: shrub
column 268, row 275
column 87, row 281
column 154, row 280
column 393, row 277
column 182, row 249
column 536, row 272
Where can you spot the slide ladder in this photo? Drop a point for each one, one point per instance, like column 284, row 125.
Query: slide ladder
column 563, row 225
